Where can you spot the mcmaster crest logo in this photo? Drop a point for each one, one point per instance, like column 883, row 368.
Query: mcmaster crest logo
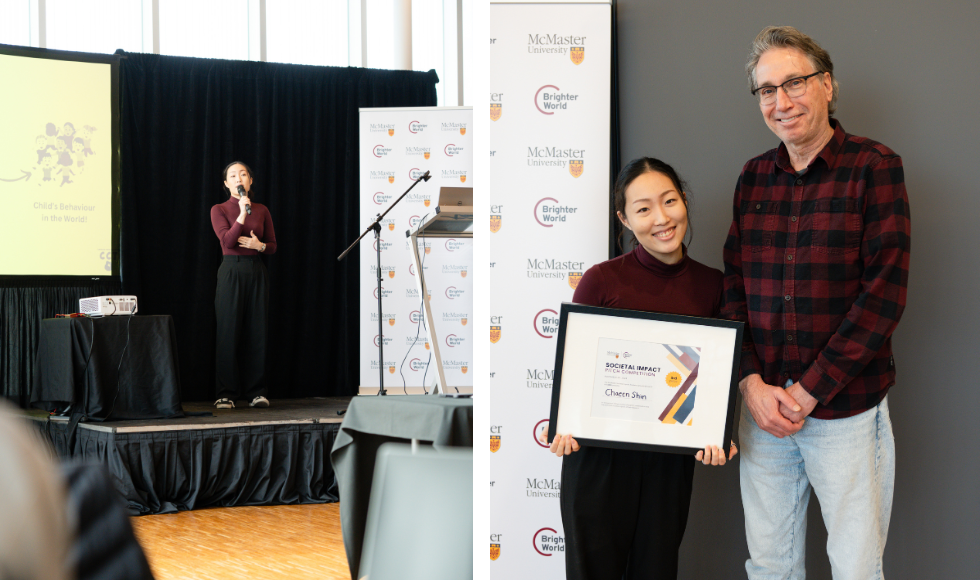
column 549, row 211
column 414, row 293
column 389, row 365
column 390, row 318
column 496, row 106
column 454, row 269
column 496, row 218
column 546, row 323
column 454, row 174
column 422, row 198
column 388, row 128
column 454, row 127
column 577, row 54
column 418, row 151
column 456, row 365
column 424, row 246
column 379, row 175
column 494, row 538
column 549, row 99
column 451, row 316
column 496, row 325
column 389, row 269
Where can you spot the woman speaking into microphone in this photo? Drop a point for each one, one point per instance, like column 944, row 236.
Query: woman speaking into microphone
column 241, row 301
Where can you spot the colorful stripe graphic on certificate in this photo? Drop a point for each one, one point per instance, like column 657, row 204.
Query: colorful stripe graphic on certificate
column 686, row 359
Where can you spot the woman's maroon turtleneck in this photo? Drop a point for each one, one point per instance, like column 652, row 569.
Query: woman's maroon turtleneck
column 639, row 281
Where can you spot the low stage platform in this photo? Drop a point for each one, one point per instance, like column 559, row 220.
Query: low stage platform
column 243, row 456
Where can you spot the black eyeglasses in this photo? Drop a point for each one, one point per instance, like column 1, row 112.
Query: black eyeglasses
column 795, row 87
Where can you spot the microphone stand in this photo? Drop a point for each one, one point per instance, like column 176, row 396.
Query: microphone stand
column 376, row 228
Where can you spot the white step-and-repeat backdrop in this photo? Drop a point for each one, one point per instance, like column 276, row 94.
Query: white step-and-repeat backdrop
column 547, row 197
column 397, row 145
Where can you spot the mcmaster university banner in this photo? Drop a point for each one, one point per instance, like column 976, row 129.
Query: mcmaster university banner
column 397, row 145
column 547, row 197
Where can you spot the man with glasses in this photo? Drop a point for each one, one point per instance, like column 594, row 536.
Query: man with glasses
column 816, row 264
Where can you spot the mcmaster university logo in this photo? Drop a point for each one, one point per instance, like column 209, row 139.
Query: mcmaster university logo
column 496, row 218
column 496, row 322
column 496, row 106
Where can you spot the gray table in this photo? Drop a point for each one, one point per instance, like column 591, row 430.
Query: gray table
column 371, row 421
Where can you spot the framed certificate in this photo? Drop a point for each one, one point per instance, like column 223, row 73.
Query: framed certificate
column 644, row 380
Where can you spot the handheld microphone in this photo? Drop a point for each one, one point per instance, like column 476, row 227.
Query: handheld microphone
column 248, row 206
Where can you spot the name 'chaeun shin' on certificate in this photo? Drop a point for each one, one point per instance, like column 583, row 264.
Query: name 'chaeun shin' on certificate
column 645, row 381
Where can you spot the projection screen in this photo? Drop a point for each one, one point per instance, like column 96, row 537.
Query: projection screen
column 58, row 163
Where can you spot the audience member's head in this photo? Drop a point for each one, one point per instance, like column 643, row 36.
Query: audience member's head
column 35, row 534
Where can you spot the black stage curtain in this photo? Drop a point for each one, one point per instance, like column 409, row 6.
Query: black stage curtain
column 183, row 120
column 160, row 472
column 21, row 310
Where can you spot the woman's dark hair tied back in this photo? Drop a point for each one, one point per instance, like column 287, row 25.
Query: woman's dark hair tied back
column 636, row 168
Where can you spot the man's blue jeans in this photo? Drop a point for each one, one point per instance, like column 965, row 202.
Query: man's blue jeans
column 849, row 463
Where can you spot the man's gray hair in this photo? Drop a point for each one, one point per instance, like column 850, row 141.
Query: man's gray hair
column 789, row 37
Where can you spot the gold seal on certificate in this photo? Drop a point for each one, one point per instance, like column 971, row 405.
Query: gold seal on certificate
column 643, row 380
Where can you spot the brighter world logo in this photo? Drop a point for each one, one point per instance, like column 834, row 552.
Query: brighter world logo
column 549, row 99
column 547, row 542
column 549, row 211
column 546, row 323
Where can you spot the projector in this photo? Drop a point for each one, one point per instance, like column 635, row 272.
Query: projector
column 107, row 305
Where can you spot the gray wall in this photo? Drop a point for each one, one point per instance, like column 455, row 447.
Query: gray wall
column 909, row 78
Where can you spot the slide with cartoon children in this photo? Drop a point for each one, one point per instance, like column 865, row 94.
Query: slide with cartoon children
column 56, row 167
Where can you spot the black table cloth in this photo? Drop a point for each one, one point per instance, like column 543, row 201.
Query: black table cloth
column 371, row 421
column 116, row 367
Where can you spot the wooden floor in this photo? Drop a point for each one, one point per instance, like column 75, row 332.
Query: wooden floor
column 296, row 542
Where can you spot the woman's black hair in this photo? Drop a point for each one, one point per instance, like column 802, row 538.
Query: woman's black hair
column 628, row 174
column 224, row 174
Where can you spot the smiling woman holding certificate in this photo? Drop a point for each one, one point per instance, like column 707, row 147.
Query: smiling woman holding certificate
column 625, row 511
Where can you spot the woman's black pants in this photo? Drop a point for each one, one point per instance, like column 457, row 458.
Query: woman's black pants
column 624, row 513
column 241, row 305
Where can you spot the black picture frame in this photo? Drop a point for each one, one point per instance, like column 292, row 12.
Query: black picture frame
column 561, row 376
